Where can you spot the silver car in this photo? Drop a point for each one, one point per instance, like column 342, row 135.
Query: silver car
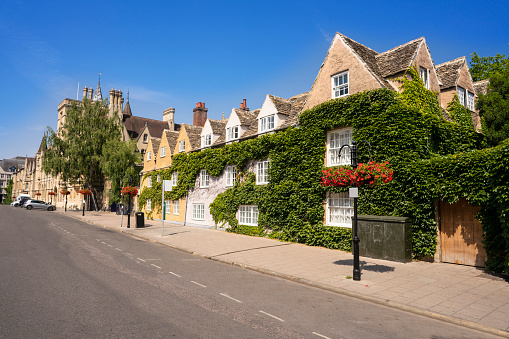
column 29, row 204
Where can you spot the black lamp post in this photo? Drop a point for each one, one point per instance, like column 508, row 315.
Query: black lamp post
column 129, row 206
column 354, row 157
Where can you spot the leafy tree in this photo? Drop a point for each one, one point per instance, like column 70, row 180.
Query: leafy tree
column 8, row 190
column 494, row 108
column 79, row 149
column 484, row 67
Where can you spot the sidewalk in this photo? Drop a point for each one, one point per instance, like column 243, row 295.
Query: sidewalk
column 459, row 294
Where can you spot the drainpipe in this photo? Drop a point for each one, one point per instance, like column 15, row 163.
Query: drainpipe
column 185, row 214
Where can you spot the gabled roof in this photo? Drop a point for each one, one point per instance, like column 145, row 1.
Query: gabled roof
column 449, row 72
column 17, row 162
column 155, row 144
column 481, row 86
column 218, row 126
column 283, row 106
column 245, row 117
column 135, row 125
column 398, row 59
column 252, row 123
column 297, row 104
column 171, row 138
column 194, row 135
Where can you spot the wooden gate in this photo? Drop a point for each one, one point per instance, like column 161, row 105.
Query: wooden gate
column 461, row 234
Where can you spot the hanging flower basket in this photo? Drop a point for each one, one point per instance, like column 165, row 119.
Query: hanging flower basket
column 64, row 192
column 52, row 193
column 85, row 192
column 129, row 190
column 37, row 193
column 365, row 175
column 13, row 197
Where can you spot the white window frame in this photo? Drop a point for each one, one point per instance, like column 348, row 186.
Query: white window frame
column 149, row 156
column 231, row 175
column 267, row 123
column 149, row 181
column 198, row 212
column 176, row 206
column 262, row 172
column 174, row 178
column 232, row 133
column 204, row 178
column 424, row 74
column 336, row 139
column 470, row 101
column 462, row 95
column 145, row 138
column 163, row 152
column 159, row 178
column 149, row 205
column 206, row 140
column 339, row 210
column 248, row 215
column 182, row 146
column 340, row 85
column 167, row 207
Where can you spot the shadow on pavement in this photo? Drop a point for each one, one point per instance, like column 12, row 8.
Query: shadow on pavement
column 366, row 266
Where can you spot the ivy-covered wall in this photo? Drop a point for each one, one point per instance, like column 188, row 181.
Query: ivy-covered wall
column 432, row 159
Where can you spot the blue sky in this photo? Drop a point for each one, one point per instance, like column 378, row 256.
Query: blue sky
column 177, row 53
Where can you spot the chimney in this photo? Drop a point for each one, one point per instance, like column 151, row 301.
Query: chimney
column 85, row 91
column 112, row 101
column 199, row 114
column 169, row 116
column 90, row 93
column 243, row 106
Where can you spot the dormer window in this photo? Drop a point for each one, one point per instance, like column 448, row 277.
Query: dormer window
column 339, row 85
column 145, row 137
column 266, row 123
column 470, row 101
column 424, row 74
column 232, row 133
column 163, row 152
column 206, row 140
column 182, row 146
column 149, row 156
column 461, row 95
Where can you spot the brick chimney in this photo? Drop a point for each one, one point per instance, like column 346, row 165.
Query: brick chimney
column 243, row 105
column 200, row 114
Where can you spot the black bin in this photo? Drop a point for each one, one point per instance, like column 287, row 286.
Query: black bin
column 140, row 220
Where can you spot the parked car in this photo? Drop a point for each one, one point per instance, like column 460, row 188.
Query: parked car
column 22, row 202
column 16, row 202
column 29, row 204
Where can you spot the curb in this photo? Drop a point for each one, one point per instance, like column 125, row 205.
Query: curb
column 388, row 303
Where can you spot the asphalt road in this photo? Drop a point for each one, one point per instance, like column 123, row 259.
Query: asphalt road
column 62, row 278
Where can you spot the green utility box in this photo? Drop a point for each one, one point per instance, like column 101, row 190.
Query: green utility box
column 382, row 237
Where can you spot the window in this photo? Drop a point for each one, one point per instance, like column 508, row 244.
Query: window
column 174, row 178
column 340, row 85
column 335, row 140
column 206, row 140
column 267, row 123
column 149, row 181
column 167, row 207
column 149, row 156
column 424, row 74
column 182, row 146
column 145, row 137
column 204, row 178
column 163, row 152
column 176, row 205
column 232, row 133
column 248, row 215
column 470, row 101
column 339, row 210
column 149, row 205
column 198, row 211
column 231, row 175
column 461, row 95
column 262, row 172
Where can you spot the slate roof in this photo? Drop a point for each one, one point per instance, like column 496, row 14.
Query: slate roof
column 218, row 126
column 171, row 137
column 17, row 162
column 481, row 86
column 127, row 109
column 246, row 117
column 155, row 145
column 135, row 125
column 398, row 59
column 194, row 135
column 449, row 72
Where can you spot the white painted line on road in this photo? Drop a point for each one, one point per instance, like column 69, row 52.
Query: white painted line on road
column 128, row 253
column 321, row 335
column 102, row 242
column 140, row 259
column 227, row 296
column 273, row 316
column 194, row 282
column 109, row 245
column 118, row 249
column 155, row 266
column 175, row 274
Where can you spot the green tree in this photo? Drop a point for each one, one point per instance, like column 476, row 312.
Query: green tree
column 484, row 67
column 77, row 151
column 8, row 190
column 494, row 108
column 120, row 165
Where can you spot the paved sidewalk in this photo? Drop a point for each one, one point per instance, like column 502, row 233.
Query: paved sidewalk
column 459, row 294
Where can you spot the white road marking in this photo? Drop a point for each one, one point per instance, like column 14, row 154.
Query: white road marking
column 102, row 242
column 140, row 259
column 128, row 253
column 321, row 335
column 118, row 249
column 175, row 274
column 155, row 266
column 194, row 282
column 273, row 316
column 227, row 296
column 109, row 245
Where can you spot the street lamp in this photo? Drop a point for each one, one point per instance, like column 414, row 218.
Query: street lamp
column 354, row 193
column 129, row 206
